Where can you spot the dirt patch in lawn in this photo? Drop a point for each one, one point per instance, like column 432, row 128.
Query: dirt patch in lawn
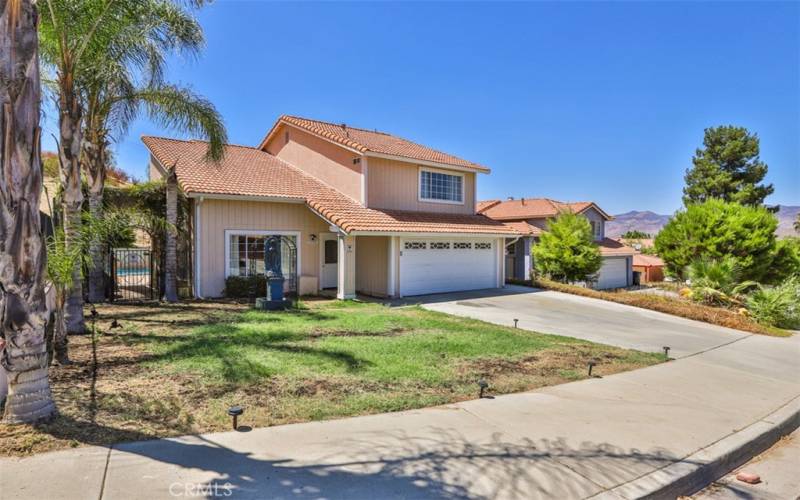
column 175, row 369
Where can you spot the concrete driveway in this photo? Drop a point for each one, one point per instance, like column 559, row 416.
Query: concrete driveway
column 583, row 318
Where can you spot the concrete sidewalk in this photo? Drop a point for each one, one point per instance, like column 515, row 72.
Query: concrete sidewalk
column 620, row 436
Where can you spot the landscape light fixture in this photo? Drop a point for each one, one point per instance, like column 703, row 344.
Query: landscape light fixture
column 666, row 352
column 592, row 364
column 235, row 411
column 115, row 324
column 483, row 385
column 515, row 322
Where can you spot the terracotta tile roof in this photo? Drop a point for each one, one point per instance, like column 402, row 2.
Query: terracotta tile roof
column 641, row 259
column 525, row 229
column 610, row 248
column 367, row 141
column 249, row 171
column 485, row 205
column 533, row 208
column 243, row 171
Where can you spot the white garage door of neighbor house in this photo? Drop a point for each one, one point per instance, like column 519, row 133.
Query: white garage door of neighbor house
column 447, row 265
column 613, row 274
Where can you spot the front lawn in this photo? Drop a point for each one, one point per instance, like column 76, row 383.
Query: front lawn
column 175, row 369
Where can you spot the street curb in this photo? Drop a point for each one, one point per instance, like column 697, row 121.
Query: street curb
column 705, row 466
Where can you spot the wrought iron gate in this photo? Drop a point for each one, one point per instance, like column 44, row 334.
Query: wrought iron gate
column 134, row 275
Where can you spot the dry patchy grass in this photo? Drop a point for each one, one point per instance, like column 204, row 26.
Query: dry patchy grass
column 174, row 369
column 719, row 316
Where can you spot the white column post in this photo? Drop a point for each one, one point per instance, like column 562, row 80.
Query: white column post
column 346, row 288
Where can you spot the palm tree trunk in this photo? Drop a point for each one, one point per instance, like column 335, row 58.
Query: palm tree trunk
column 94, row 158
column 69, row 149
column 23, row 310
column 171, row 255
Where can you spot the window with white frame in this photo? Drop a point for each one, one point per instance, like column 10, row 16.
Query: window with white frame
column 246, row 254
column 441, row 187
column 597, row 229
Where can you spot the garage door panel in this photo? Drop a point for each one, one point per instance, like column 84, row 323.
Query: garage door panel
column 613, row 274
column 446, row 265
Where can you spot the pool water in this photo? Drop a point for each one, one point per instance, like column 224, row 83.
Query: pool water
column 130, row 271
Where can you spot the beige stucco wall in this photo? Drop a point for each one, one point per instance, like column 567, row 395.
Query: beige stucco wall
column 153, row 171
column 393, row 184
column 324, row 160
column 216, row 216
column 372, row 265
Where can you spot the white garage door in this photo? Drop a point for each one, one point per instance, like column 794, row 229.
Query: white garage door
column 447, row 265
column 613, row 274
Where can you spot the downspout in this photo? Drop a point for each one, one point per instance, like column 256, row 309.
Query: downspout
column 197, row 252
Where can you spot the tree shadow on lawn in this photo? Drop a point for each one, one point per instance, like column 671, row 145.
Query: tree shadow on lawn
column 434, row 463
column 209, row 317
column 226, row 343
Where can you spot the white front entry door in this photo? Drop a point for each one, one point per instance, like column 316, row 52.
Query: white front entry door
column 430, row 265
column 329, row 261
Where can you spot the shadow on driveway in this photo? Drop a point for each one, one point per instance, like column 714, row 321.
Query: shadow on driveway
column 441, row 464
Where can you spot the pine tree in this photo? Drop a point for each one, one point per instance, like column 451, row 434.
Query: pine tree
column 728, row 168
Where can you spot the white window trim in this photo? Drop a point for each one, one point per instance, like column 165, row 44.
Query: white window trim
column 258, row 232
column 439, row 171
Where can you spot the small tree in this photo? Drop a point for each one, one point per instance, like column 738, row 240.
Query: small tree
column 61, row 260
column 566, row 251
column 635, row 234
column 797, row 223
column 715, row 229
column 727, row 167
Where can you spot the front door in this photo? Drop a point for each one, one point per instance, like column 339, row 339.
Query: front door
column 330, row 261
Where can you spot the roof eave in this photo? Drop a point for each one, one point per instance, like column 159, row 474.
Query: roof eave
column 448, row 166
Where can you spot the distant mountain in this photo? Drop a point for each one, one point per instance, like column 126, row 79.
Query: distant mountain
column 646, row 221
column 651, row 222
column 786, row 217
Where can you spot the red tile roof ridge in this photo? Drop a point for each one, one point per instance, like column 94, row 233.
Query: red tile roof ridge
column 374, row 131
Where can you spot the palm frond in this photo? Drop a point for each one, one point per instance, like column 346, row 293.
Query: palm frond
column 180, row 108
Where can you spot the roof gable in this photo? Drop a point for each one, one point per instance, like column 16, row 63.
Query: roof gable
column 373, row 142
column 246, row 172
column 534, row 208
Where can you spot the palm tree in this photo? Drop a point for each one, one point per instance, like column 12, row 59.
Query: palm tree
column 96, row 48
column 73, row 33
column 116, row 96
column 23, row 311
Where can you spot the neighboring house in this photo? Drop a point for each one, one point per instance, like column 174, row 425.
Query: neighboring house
column 650, row 267
column 637, row 243
column 368, row 212
column 529, row 217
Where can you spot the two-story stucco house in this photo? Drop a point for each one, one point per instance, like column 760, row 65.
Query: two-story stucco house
column 368, row 212
column 529, row 217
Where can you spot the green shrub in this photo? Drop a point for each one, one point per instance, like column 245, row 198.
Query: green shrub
column 777, row 306
column 714, row 229
column 245, row 286
column 566, row 251
column 718, row 281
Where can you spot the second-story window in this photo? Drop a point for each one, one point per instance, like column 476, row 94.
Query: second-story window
column 597, row 230
column 442, row 187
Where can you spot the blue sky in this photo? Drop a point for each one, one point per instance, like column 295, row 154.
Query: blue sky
column 574, row 101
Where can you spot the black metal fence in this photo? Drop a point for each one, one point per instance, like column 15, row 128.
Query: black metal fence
column 134, row 275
